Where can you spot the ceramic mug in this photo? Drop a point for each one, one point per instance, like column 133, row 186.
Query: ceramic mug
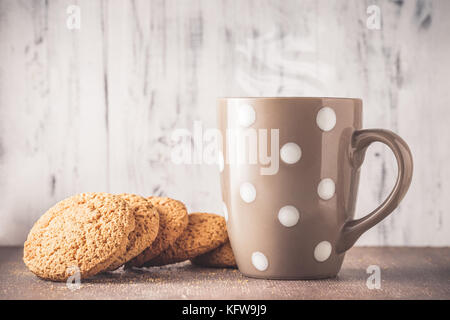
column 289, row 175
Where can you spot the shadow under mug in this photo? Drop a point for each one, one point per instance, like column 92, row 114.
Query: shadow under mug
column 289, row 177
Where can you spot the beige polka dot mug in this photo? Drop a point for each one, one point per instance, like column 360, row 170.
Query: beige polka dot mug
column 289, row 175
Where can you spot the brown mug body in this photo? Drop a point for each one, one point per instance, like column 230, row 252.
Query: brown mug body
column 295, row 220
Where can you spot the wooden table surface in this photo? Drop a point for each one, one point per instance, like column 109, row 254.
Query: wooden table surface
column 406, row 273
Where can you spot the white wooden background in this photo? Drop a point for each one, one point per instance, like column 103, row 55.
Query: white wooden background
column 93, row 109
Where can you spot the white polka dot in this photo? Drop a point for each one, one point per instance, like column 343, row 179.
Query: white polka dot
column 246, row 115
column 326, row 189
column 290, row 153
column 288, row 216
column 248, row 192
column 259, row 261
column 225, row 211
column 326, row 119
column 322, row 251
column 221, row 161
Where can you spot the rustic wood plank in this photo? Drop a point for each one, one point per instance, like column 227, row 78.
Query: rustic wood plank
column 406, row 273
column 94, row 109
column 52, row 119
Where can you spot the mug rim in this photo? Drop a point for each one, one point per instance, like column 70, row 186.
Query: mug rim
column 294, row 98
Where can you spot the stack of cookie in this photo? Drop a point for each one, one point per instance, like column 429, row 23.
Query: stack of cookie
column 96, row 232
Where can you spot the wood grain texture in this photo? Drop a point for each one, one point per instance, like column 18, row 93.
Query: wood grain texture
column 406, row 273
column 94, row 109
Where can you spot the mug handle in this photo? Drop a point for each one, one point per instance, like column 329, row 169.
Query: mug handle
column 361, row 139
